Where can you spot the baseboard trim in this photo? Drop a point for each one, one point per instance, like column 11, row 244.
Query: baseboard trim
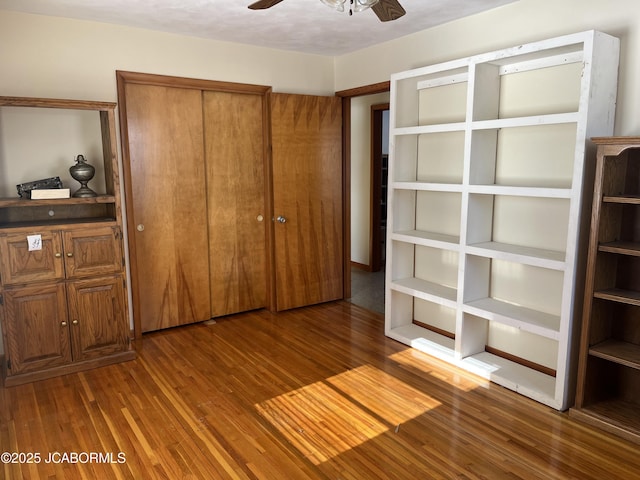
column 361, row 266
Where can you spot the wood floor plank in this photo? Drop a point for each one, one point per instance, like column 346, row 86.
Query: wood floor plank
column 312, row 393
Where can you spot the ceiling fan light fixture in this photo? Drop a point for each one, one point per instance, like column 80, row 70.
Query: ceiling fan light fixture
column 335, row 4
column 385, row 10
column 360, row 5
column 354, row 5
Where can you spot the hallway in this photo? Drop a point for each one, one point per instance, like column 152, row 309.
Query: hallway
column 367, row 289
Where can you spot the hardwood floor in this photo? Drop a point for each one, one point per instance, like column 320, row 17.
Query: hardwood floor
column 315, row 393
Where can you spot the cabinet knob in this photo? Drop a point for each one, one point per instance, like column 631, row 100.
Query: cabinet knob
column 75, row 322
column 58, row 255
column 140, row 227
column 70, row 254
column 281, row 219
column 64, row 324
column 259, row 218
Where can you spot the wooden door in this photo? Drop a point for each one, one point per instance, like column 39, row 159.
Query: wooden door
column 235, row 152
column 166, row 206
column 92, row 251
column 36, row 327
column 97, row 316
column 307, row 196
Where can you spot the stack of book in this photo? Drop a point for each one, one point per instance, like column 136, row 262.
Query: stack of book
column 43, row 189
column 47, row 193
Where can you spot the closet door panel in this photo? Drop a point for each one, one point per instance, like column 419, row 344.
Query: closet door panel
column 307, row 195
column 234, row 148
column 167, row 178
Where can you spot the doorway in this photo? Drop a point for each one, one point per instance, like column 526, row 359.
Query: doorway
column 368, row 147
column 368, row 285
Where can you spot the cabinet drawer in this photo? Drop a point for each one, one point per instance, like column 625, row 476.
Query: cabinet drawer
column 92, row 252
column 19, row 264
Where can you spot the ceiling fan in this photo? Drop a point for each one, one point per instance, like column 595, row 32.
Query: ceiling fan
column 386, row 10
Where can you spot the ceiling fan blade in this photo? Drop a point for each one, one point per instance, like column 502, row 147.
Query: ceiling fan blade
column 262, row 4
column 388, row 10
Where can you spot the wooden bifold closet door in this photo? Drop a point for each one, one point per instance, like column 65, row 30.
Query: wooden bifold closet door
column 234, row 149
column 166, row 206
column 195, row 184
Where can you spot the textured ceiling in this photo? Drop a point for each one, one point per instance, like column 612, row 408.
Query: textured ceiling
column 301, row 25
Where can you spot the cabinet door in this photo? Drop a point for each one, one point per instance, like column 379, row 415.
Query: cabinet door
column 36, row 330
column 307, row 197
column 234, row 147
column 21, row 262
column 92, row 251
column 97, row 317
column 166, row 206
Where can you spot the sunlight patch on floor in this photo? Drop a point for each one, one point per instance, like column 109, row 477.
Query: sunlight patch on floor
column 329, row 417
column 462, row 380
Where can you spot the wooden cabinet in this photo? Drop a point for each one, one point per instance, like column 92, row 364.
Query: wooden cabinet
column 76, row 252
column 35, row 328
column 19, row 265
column 609, row 369
column 486, row 218
column 63, row 294
column 96, row 312
column 92, row 251
column 63, row 304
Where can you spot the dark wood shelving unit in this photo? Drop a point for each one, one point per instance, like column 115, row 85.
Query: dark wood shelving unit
column 63, row 298
column 608, row 389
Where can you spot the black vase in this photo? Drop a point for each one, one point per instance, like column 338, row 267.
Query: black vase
column 83, row 172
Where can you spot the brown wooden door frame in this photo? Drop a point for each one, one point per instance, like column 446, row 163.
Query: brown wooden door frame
column 123, row 78
column 346, row 96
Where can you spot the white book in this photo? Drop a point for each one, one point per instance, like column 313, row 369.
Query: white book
column 47, row 193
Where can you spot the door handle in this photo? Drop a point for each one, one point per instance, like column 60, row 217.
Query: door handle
column 281, row 219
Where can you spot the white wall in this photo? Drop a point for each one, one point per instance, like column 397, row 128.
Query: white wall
column 61, row 58
column 516, row 23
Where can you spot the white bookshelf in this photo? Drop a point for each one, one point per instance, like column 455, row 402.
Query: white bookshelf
column 486, row 208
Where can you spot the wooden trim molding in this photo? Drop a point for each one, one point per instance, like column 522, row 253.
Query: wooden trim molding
column 381, row 87
column 437, row 330
column 346, row 197
column 361, row 266
column 522, row 361
column 185, row 82
column 54, row 103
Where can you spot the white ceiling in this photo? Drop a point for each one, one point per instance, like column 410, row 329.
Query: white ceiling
column 306, row 26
